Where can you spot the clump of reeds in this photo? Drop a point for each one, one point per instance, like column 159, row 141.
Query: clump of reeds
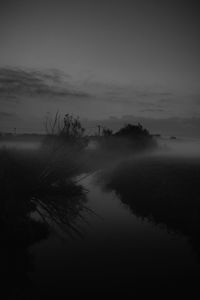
column 42, row 180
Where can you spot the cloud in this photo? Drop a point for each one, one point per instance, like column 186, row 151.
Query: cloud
column 33, row 92
column 152, row 110
column 4, row 114
column 15, row 83
column 127, row 93
column 154, row 93
column 196, row 99
column 54, row 85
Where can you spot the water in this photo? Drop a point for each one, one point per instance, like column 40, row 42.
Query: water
column 118, row 248
column 140, row 231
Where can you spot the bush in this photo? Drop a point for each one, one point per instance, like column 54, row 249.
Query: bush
column 129, row 139
column 68, row 132
column 133, row 131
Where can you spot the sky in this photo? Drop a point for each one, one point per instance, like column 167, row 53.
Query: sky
column 98, row 60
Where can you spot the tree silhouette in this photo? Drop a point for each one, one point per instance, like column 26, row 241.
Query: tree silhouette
column 134, row 131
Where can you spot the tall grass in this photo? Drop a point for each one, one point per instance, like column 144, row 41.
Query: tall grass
column 39, row 183
column 30, row 182
column 164, row 190
column 42, row 180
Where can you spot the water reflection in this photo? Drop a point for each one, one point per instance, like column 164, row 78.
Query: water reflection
column 119, row 252
column 28, row 212
column 126, row 245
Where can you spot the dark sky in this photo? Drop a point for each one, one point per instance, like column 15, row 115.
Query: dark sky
column 105, row 58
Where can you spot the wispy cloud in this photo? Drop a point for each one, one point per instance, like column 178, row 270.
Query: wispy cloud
column 16, row 83
column 52, row 84
column 152, row 110
column 33, row 92
column 4, row 114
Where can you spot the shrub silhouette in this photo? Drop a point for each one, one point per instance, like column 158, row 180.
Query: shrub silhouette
column 133, row 131
column 107, row 132
column 33, row 182
column 128, row 140
column 68, row 131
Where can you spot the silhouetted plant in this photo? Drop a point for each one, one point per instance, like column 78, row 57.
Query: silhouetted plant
column 30, row 184
column 133, row 131
column 63, row 146
column 67, row 130
column 107, row 132
column 128, row 140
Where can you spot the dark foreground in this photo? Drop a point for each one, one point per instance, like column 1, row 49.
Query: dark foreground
column 132, row 228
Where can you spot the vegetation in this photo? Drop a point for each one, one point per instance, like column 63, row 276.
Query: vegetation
column 42, row 180
column 39, row 183
column 133, row 131
column 68, row 132
column 40, row 189
column 164, row 190
column 107, row 132
column 129, row 140
column 31, row 183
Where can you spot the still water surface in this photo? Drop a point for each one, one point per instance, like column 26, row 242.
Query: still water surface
column 117, row 249
column 121, row 247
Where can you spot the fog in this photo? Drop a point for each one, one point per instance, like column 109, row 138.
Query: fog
column 20, row 145
column 103, row 158
column 180, row 147
column 135, row 205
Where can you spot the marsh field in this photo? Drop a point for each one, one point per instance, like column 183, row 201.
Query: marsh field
column 96, row 216
column 99, row 149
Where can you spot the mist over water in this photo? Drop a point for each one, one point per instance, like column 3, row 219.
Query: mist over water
column 145, row 228
column 187, row 147
column 20, row 145
column 99, row 184
column 135, row 222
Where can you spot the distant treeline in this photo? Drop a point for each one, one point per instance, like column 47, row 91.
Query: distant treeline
column 70, row 127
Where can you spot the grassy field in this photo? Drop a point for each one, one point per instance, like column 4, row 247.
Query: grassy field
column 162, row 188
